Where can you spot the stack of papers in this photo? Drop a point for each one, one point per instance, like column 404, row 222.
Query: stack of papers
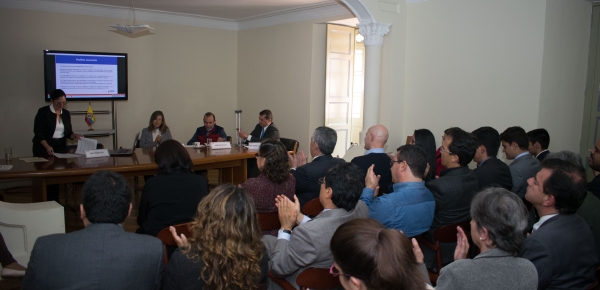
column 5, row 167
column 33, row 159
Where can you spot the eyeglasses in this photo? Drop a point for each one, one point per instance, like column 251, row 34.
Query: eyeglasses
column 64, row 104
column 334, row 272
column 394, row 161
column 444, row 150
column 321, row 180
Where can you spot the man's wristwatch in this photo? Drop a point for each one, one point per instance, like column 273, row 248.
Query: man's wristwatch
column 284, row 231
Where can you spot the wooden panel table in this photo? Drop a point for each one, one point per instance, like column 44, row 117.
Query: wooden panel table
column 232, row 163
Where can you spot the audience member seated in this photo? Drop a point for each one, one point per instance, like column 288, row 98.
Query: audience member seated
column 454, row 189
column 224, row 250
column 274, row 179
column 307, row 175
column 171, row 197
column 102, row 255
column 561, row 246
column 265, row 129
column 424, row 138
column 375, row 139
column 366, row 255
column 210, row 130
column 308, row 244
column 498, row 230
column 524, row 166
column 490, row 170
column 156, row 132
column 539, row 140
column 594, row 163
column 10, row 267
column 410, row 206
column 589, row 208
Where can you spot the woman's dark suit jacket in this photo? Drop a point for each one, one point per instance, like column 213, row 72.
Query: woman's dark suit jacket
column 44, row 126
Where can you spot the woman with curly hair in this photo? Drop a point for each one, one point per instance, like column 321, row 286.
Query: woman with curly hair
column 224, row 250
column 274, row 178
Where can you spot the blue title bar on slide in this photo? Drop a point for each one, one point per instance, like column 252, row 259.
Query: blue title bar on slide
column 86, row 59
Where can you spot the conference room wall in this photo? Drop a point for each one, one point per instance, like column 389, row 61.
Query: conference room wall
column 488, row 63
column 182, row 70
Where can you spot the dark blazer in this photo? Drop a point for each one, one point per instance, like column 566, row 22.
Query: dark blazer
column 542, row 156
column 44, row 126
column 493, row 172
column 307, row 177
column 201, row 132
column 382, row 167
column 522, row 169
column 271, row 133
column 183, row 273
column 101, row 256
column 564, row 253
column 590, row 213
column 594, row 186
column 169, row 200
column 453, row 193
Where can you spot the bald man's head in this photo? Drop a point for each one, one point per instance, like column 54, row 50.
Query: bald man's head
column 376, row 137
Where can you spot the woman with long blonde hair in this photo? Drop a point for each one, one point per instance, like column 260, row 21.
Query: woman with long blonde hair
column 224, row 250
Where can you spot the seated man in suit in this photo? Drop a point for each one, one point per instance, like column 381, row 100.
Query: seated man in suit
column 490, row 170
column 524, row 166
column 561, row 246
column 375, row 139
column 265, row 129
column 454, row 189
column 307, row 175
column 594, row 163
column 308, row 244
column 539, row 140
column 210, row 130
column 410, row 206
column 102, row 255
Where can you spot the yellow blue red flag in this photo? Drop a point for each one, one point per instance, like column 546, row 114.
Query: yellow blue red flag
column 89, row 117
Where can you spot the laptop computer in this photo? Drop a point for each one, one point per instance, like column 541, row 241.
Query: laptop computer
column 123, row 151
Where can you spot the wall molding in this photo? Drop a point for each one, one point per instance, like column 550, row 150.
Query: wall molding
column 122, row 14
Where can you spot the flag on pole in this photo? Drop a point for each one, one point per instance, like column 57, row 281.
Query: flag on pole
column 89, row 117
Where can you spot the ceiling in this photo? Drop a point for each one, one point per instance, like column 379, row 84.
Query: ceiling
column 225, row 9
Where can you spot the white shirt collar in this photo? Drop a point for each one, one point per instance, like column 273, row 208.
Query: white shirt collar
column 542, row 221
column 540, row 153
column 52, row 109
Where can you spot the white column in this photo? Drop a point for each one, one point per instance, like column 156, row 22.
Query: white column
column 373, row 33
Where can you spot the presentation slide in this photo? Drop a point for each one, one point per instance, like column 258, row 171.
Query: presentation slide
column 87, row 75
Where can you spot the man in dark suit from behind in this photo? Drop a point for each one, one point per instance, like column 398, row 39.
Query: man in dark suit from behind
column 265, row 129
column 102, row 255
column 490, row 170
column 307, row 175
column 539, row 140
column 561, row 246
column 524, row 166
column 375, row 139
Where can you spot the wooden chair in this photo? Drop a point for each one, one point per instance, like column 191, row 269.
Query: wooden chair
column 290, row 144
column 268, row 221
column 445, row 234
column 311, row 278
column 312, row 208
column 167, row 239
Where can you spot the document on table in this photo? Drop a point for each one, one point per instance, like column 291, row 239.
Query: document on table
column 86, row 144
column 5, row 167
column 68, row 155
column 33, row 159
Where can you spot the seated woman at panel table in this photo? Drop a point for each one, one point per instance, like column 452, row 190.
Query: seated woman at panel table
column 171, row 197
column 224, row 250
column 499, row 219
column 156, row 132
column 274, row 178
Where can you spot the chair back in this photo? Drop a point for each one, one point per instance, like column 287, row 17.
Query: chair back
column 167, row 239
column 290, row 144
column 268, row 221
column 316, row 278
column 447, row 234
column 312, row 208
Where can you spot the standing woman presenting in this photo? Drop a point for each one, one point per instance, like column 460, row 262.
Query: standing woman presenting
column 51, row 128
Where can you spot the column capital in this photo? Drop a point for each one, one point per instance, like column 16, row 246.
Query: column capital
column 373, row 32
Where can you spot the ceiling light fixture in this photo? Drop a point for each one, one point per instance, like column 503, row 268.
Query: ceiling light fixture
column 132, row 28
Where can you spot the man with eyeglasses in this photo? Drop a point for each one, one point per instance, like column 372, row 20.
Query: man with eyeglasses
column 594, row 163
column 455, row 188
column 411, row 205
column 524, row 166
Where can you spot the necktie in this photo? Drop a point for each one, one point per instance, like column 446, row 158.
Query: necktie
column 262, row 133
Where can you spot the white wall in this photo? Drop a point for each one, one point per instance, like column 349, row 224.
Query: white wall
column 183, row 71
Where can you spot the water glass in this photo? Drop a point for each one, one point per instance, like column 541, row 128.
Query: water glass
column 8, row 153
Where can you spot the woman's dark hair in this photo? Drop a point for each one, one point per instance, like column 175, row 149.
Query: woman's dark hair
column 504, row 216
column 56, row 94
column 171, row 157
column 382, row 258
column 277, row 166
column 163, row 125
column 425, row 139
